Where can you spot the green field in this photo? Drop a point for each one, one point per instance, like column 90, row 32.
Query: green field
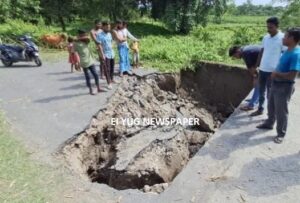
column 162, row 49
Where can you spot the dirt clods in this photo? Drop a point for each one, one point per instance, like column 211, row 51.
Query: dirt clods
column 140, row 154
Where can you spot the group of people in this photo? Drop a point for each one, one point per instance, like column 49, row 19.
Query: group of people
column 81, row 56
column 273, row 66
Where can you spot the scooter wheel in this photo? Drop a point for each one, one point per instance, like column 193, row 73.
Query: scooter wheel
column 7, row 63
column 38, row 61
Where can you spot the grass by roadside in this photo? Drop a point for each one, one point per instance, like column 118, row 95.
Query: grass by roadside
column 161, row 48
column 21, row 179
column 53, row 55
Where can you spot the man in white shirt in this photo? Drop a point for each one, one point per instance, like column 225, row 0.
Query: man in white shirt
column 268, row 60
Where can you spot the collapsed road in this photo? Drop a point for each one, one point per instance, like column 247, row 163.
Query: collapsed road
column 149, row 157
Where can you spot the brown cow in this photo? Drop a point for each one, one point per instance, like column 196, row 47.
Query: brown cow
column 54, row 40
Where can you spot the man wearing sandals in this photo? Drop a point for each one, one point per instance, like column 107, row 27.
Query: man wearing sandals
column 250, row 55
column 283, row 80
column 268, row 60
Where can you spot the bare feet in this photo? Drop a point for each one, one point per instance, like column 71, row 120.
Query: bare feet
column 115, row 81
column 109, row 87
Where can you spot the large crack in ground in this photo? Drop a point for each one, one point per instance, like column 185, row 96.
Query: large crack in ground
column 138, row 156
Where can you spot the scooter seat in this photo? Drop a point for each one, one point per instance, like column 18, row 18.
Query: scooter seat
column 15, row 48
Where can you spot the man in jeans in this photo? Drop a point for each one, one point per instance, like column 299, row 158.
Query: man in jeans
column 250, row 55
column 87, row 61
column 268, row 60
column 283, row 79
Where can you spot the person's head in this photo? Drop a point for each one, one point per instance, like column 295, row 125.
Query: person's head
column 235, row 52
column 272, row 25
column 83, row 36
column 291, row 37
column 70, row 39
column 64, row 37
column 82, row 33
column 125, row 24
column 98, row 24
column 119, row 24
column 106, row 27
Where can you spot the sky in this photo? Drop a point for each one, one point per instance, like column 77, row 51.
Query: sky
column 257, row 2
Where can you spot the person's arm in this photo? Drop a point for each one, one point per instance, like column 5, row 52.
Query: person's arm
column 99, row 48
column 117, row 37
column 130, row 36
column 93, row 36
column 75, row 47
column 84, row 39
column 101, row 52
column 294, row 69
column 285, row 76
column 260, row 55
column 259, row 58
column 249, row 64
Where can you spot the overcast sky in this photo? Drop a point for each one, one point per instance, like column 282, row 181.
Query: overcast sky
column 256, row 2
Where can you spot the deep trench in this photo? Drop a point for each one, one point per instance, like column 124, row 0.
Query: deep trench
column 150, row 157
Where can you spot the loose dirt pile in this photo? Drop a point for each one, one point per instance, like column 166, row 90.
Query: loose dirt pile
column 139, row 156
column 146, row 157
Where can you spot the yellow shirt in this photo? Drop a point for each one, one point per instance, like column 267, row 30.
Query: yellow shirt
column 135, row 46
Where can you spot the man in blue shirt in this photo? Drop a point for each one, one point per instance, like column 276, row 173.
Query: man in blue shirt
column 283, row 79
column 107, row 55
column 250, row 55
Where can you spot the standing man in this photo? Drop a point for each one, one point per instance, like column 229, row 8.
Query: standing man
column 107, row 55
column 268, row 59
column 87, row 61
column 250, row 55
column 283, row 79
column 94, row 32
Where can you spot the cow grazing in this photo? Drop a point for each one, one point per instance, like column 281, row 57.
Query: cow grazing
column 55, row 40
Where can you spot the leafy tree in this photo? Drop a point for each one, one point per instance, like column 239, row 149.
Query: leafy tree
column 58, row 11
column 182, row 15
column 158, row 9
column 4, row 9
column 291, row 17
column 27, row 10
column 220, row 9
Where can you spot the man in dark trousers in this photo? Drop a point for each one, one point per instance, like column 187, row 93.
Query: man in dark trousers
column 250, row 55
column 283, row 80
column 87, row 61
column 268, row 60
column 106, row 52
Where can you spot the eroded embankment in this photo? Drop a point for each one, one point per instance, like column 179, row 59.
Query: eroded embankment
column 149, row 157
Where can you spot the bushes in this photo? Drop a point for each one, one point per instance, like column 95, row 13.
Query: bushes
column 161, row 48
column 13, row 28
column 210, row 43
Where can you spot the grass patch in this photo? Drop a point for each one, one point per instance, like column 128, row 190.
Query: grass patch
column 162, row 49
column 21, row 180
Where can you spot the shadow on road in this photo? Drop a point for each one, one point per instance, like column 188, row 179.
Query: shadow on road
column 62, row 97
column 59, row 73
column 20, row 66
column 268, row 177
column 223, row 146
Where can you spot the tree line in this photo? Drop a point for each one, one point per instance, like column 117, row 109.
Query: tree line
column 179, row 15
